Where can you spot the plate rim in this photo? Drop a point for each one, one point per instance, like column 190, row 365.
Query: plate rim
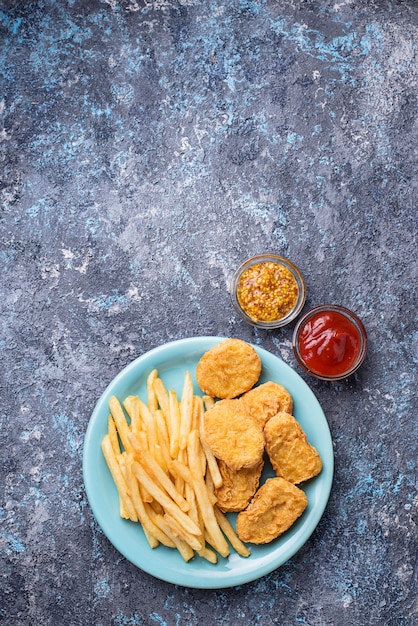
column 230, row 579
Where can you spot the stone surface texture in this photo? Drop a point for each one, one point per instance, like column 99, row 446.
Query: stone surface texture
column 147, row 148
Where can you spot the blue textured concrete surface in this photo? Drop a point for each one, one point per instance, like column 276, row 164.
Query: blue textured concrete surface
column 147, row 149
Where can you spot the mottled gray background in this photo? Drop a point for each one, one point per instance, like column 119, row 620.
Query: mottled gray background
column 147, row 148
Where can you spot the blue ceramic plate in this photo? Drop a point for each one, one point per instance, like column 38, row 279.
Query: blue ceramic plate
column 172, row 360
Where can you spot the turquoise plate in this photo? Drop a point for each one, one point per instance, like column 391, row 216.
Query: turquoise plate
column 172, row 360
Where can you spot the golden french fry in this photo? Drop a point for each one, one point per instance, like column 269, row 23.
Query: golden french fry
column 131, row 406
column 210, row 457
column 149, row 425
column 208, row 554
column 113, row 434
column 154, row 508
column 194, row 512
column 163, row 440
column 186, row 411
column 179, row 479
column 146, row 523
column 210, row 488
column 118, row 479
column 180, row 470
column 198, row 412
column 154, row 469
column 120, row 458
column 202, row 497
column 213, row 466
column 152, row 396
column 140, row 440
column 120, row 422
column 174, row 423
column 230, row 533
column 166, row 502
column 208, row 401
column 161, row 395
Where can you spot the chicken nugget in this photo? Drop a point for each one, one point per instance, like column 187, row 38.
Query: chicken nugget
column 266, row 400
column 238, row 486
column 233, row 436
column 289, row 451
column 274, row 508
column 228, row 369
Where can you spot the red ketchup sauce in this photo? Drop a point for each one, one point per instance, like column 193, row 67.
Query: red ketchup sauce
column 329, row 343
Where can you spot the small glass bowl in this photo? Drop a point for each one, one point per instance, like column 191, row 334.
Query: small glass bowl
column 352, row 320
column 300, row 282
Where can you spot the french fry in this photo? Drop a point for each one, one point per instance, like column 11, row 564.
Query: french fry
column 149, row 425
column 161, row 395
column 131, row 406
column 208, row 554
column 186, row 411
column 179, row 478
column 230, row 533
column 113, row 434
column 198, row 412
column 151, row 395
column 210, row 488
column 154, row 508
column 140, row 440
column 120, row 459
column 174, row 423
column 180, row 470
column 119, row 479
column 147, row 525
column 163, row 440
column 166, row 502
column 210, row 458
column 208, row 401
column 120, row 422
column 193, row 508
column 202, row 497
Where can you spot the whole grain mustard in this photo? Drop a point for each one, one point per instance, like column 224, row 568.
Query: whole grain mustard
column 267, row 291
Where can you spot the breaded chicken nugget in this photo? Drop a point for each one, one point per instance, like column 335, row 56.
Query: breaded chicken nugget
column 228, row 369
column 274, row 508
column 233, row 436
column 238, row 486
column 266, row 400
column 290, row 453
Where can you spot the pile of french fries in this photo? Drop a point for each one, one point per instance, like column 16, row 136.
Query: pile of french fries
column 164, row 472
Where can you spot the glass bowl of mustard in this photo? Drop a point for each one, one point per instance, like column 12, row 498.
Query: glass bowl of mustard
column 330, row 342
column 268, row 291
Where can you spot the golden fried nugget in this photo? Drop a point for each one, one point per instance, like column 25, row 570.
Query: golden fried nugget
column 274, row 508
column 233, row 435
column 266, row 400
column 228, row 369
column 290, row 453
column 238, row 486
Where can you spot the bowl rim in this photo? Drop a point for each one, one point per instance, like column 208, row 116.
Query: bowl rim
column 279, row 260
column 348, row 314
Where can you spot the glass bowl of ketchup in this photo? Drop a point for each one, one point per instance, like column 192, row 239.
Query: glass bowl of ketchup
column 330, row 342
